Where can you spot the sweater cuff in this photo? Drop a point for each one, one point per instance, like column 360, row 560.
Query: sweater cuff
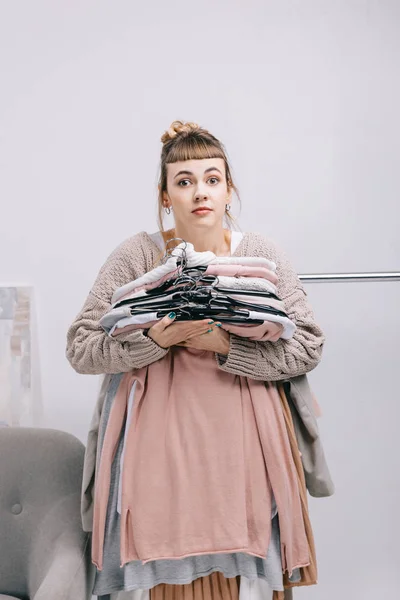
column 242, row 356
column 143, row 348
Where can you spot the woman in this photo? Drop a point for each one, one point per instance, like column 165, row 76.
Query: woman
column 197, row 186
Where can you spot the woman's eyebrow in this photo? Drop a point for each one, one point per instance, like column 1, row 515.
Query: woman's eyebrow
column 190, row 172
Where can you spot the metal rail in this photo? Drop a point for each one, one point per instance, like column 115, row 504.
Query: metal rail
column 343, row 277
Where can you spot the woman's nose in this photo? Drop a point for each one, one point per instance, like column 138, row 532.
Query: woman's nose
column 201, row 194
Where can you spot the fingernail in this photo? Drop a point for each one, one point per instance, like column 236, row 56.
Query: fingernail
column 172, row 315
column 210, row 322
column 209, row 330
column 218, row 324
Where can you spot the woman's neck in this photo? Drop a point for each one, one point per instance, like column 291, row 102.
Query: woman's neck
column 219, row 243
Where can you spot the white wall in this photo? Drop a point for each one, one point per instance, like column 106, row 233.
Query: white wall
column 305, row 96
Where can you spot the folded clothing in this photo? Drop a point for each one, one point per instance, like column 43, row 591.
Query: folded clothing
column 274, row 328
column 192, row 259
column 254, row 312
column 256, row 284
column 235, row 270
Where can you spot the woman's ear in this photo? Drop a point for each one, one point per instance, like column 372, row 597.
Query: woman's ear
column 165, row 200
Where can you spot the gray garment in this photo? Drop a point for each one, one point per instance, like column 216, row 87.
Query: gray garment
column 135, row 575
column 288, row 595
column 108, row 320
column 90, row 464
column 316, row 472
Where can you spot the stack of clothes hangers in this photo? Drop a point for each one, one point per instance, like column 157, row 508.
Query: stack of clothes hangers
column 239, row 292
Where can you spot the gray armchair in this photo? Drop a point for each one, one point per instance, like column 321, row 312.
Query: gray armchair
column 44, row 553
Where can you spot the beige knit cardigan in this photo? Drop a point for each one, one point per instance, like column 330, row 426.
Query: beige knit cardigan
column 91, row 351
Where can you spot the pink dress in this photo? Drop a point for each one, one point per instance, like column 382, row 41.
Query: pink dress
column 203, row 452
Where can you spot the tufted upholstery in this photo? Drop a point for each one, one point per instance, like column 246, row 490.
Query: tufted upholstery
column 44, row 553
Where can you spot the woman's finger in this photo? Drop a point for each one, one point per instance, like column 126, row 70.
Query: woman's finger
column 212, row 327
column 165, row 321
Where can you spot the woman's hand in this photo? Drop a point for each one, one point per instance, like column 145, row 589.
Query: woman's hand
column 166, row 333
column 217, row 340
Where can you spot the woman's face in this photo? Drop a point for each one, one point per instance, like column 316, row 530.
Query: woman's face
column 197, row 192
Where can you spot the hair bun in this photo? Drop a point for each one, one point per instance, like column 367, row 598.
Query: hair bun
column 178, row 127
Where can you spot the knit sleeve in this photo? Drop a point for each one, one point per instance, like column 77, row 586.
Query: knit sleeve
column 89, row 349
column 274, row 361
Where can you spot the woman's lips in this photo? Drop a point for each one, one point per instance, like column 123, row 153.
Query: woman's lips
column 202, row 211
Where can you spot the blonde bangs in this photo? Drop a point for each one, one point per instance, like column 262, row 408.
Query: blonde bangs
column 193, row 148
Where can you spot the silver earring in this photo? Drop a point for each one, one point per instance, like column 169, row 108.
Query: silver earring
column 227, row 207
column 167, row 210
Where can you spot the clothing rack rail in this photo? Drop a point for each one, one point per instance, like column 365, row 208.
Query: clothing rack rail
column 344, row 277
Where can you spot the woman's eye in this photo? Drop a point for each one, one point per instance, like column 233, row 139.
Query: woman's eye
column 212, row 179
